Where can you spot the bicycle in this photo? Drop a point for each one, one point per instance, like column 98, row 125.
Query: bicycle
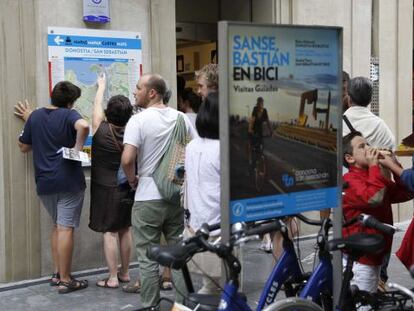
column 176, row 257
column 286, row 272
column 350, row 296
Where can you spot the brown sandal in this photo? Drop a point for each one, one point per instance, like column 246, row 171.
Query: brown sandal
column 72, row 285
column 105, row 284
column 123, row 280
column 132, row 288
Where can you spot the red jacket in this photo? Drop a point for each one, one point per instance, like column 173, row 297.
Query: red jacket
column 369, row 192
column 406, row 251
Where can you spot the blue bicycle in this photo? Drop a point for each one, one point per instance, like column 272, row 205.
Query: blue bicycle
column 351, row 298
column 287, row 271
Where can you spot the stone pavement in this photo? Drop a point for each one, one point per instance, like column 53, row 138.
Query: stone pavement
column 37, row 295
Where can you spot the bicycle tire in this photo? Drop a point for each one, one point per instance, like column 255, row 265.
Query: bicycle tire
column 293, row 304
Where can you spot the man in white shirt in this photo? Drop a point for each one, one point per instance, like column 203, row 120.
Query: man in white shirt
column 373, row 128
column 145, row 138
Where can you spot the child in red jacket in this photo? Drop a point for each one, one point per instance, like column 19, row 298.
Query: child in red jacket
column 368, row 192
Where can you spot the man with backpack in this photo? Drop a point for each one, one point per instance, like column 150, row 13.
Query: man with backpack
column 148, row 140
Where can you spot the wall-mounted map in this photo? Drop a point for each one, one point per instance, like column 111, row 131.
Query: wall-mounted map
column 80, row 55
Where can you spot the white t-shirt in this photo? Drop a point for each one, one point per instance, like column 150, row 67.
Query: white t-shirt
column 202, row 168
column 373, row 128
column 150, row 131
column 192, row 116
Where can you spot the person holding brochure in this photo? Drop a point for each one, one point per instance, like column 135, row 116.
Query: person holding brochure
column 111, row 203
column 60, row 182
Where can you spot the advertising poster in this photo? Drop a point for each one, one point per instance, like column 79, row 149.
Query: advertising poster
column 81, row 55
column 283, row 102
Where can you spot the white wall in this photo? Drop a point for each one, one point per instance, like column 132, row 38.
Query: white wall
column 24, row 225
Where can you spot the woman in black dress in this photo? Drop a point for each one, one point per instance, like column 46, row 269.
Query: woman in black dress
column 110, row 208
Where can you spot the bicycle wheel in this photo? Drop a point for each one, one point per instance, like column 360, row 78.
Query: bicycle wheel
column 293, row 304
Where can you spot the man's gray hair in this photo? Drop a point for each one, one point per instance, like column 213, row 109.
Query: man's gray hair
column 360, row 91
column 210, row 73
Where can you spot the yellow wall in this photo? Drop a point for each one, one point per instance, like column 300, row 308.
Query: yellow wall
column 190, row 63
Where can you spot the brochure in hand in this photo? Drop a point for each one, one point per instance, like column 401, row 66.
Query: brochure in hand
column 75, row 155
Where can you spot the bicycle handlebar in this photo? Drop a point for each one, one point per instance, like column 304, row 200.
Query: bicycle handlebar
column 371, row 222
column 206, row 228
column 263, row 229
column 309, row 221
column 350, row 222
column 401, row 289
column 206, row 245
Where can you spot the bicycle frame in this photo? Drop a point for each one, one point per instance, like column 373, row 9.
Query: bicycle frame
column 287, row 268
column 319, row 282
column 231, row 300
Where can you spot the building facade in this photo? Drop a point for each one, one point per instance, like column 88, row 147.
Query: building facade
column 371, row 28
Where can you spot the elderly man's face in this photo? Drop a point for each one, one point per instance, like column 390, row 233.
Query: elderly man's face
column 202, row 87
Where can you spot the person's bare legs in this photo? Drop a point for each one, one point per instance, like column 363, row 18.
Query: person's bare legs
column 53, row 244
column 166, row 273
column 277, row 238
column 110, row 246
column 277, row 245
column 125, row 245
column 266, row 244
column 166, row 283
column 111, row 256
column 65, row 251
column 125, row 241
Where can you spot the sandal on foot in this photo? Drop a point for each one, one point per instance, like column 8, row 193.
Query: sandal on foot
column 55, row 279
column 126, row 280
column 72, row 285
column 165, row 283
column 105, row 284
column 132, row 288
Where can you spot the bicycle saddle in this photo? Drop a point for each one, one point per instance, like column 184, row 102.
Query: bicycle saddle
column 203, row 301
column 357, row 244
column 174, row 256
column 206, row 302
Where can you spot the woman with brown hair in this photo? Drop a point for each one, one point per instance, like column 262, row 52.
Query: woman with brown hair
column 111, row 203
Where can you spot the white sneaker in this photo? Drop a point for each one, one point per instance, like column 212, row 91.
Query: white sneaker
column 266, row 246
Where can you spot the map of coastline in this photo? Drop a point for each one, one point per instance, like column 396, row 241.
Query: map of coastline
column 84, row 72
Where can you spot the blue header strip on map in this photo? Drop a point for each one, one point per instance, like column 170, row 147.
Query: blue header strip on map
column 96, row 42
column 94, row 60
